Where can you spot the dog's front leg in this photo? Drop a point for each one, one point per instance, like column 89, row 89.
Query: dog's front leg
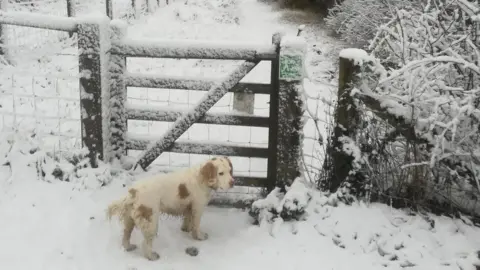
column 197, row 212
column 187, row 220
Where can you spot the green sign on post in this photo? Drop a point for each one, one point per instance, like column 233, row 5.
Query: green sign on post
column 291, row 67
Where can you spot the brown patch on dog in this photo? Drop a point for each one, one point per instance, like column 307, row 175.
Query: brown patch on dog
column 145, row 212
column 209, row 175
column 133, row 192
column 183, row 191
column 231, row 166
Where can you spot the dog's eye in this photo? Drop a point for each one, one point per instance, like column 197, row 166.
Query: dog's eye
column 221, row 173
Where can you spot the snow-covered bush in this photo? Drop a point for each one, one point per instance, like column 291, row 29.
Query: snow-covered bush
column 357, row 21
column 423, row 140
column 24, row 151
column 288, row 206
column 73, row 166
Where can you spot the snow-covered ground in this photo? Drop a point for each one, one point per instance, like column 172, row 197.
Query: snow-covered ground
column 61, row 225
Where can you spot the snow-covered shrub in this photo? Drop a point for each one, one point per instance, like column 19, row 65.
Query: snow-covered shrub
column 288, row 206
column 423, row 141
column 74, row 166
column 357, row 21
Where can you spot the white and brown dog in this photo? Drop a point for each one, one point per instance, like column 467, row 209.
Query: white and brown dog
column 182, row 193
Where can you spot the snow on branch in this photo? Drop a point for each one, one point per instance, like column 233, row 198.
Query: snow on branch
column 431, row 89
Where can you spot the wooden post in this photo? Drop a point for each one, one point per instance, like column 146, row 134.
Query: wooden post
column 118, row 97
column 150, row 8
column 244, row 101
column 346, row 117
column 134, row 8
column 3, row 32
column 70, row 12
column 273, row 115
column 93, row 45
column 109, row 8
column 290, row 109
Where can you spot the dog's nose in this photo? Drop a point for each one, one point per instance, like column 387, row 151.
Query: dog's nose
column 231, row 182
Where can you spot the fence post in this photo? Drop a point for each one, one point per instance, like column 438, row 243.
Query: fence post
column 150, row 8
column 3, row 33
column 109, row 8
column 118, row 96
column 273, row 114
column 244, row 101
column 93, row 47
column 346, row 119
column 70, row 12
column 290, row 109
column 134, row 8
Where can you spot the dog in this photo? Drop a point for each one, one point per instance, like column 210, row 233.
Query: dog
column 181, row 193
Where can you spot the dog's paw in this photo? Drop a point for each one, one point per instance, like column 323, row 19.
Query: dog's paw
column 200, row 236
column 153, row 256
column 130, row 247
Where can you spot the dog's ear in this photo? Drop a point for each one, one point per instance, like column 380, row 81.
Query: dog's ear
column 209, row 172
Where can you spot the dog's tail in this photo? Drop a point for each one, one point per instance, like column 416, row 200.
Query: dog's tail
column 122, row 206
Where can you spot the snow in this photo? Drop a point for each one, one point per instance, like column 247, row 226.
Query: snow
column 38, row 21
column 359, row 56
column 294, row 43
column 166, row 48
column 145, row 112
column 62, row 225
column 186, row 82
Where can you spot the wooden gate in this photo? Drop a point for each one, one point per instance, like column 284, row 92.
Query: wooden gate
column 285, row 104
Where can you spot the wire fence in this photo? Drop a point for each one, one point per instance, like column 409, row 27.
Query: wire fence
column 20, row 41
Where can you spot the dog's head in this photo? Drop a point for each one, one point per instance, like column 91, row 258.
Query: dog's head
column 217, row 173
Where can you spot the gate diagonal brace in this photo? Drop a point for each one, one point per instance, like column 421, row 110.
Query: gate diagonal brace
column 179, row 127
